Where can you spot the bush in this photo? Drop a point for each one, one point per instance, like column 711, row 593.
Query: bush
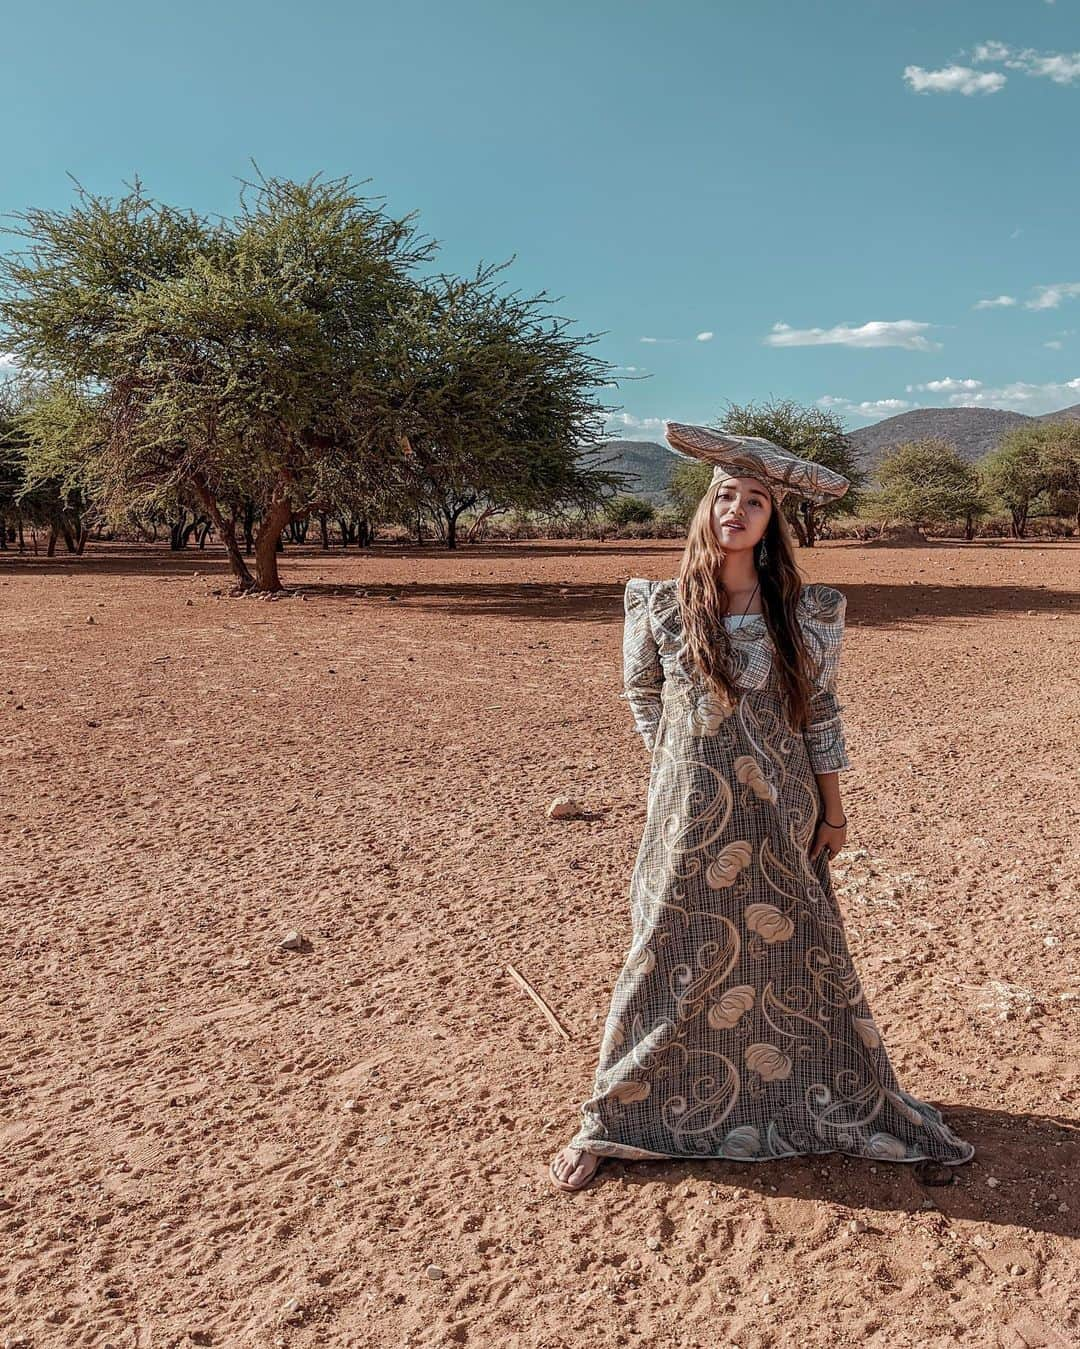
column 628, row 510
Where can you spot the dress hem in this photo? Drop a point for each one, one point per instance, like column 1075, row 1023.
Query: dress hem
column 632, row 1154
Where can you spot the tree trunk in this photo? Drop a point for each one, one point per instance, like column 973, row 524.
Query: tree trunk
column 798, row 524
column 453, row 514
column 473, row 532
column 227, row 530
column 54, row 534
column 323, row 531
column 266, row 545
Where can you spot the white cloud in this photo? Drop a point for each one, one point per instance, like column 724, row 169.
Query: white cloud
column 1021, row 396
column 8, row 360
column 990, row 51
column 1046, row 297
column 626, row 426
column 946, row 385
column 953, row 80
column 1061, row 67
column 705, row 337
column 1055, row 344
column 905, row 333
column 876, row 407
column 1050, row 297
column 660, row 339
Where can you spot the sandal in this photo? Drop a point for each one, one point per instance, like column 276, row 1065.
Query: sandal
column 581, row 1185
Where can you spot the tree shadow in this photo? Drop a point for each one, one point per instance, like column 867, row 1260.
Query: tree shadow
column 869, row 606
column 131, row 559
column 151, row 560
column 885, row 605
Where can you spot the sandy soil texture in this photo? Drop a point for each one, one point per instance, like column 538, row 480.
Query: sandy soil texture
column 211, row 1140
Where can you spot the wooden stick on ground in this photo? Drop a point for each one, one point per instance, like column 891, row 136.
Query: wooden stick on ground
column 522, row 982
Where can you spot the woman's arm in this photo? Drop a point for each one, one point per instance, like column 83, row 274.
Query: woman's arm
column 826, row 746
column 824, row 734
column 643, row 674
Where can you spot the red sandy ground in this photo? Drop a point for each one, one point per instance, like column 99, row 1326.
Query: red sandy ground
column 190, row 776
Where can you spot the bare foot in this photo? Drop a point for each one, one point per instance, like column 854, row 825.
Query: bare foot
column 572, row 1169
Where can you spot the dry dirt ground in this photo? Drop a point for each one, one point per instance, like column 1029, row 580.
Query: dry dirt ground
column 209, row 1140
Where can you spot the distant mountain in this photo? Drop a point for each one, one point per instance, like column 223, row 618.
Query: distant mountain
column 973, row 431
column 650, row 463
column 1065, row 415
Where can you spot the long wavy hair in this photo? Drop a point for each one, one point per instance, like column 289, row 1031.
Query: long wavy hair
column 704, row 602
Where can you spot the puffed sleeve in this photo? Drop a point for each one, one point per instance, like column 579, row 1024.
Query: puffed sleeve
column 643, row 673
column 824, row 631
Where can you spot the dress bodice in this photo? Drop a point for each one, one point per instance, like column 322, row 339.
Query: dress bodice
column 821, row 610
column 654, row 647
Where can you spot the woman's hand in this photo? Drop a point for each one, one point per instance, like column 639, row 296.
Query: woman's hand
column 828, row 836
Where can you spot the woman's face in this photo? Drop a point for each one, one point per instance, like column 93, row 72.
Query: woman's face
column 741, row 502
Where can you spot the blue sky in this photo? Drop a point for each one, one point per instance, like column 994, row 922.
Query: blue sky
column 871, row 204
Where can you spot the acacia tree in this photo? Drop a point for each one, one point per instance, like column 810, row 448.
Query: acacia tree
column 221, row 354
column 493, row 401
column 286, row 362
column 1026, row 462
column 44, row 427
column 1032, row 462
column 928, row 482
column 1062, row 462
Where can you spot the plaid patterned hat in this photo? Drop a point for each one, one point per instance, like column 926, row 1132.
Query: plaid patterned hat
column 784, row 473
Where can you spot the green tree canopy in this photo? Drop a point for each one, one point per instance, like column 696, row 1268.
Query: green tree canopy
column 289, row 357
column 1043, row 457
column 926, row 482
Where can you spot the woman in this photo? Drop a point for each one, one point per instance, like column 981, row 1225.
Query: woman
column 738, row 1027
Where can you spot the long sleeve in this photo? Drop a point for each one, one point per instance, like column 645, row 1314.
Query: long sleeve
column 824, row 735
column 643, row 673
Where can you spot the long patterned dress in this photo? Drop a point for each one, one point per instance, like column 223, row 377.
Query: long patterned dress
column 738, row 1027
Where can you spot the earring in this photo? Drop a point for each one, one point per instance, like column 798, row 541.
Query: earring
column 763, row 556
